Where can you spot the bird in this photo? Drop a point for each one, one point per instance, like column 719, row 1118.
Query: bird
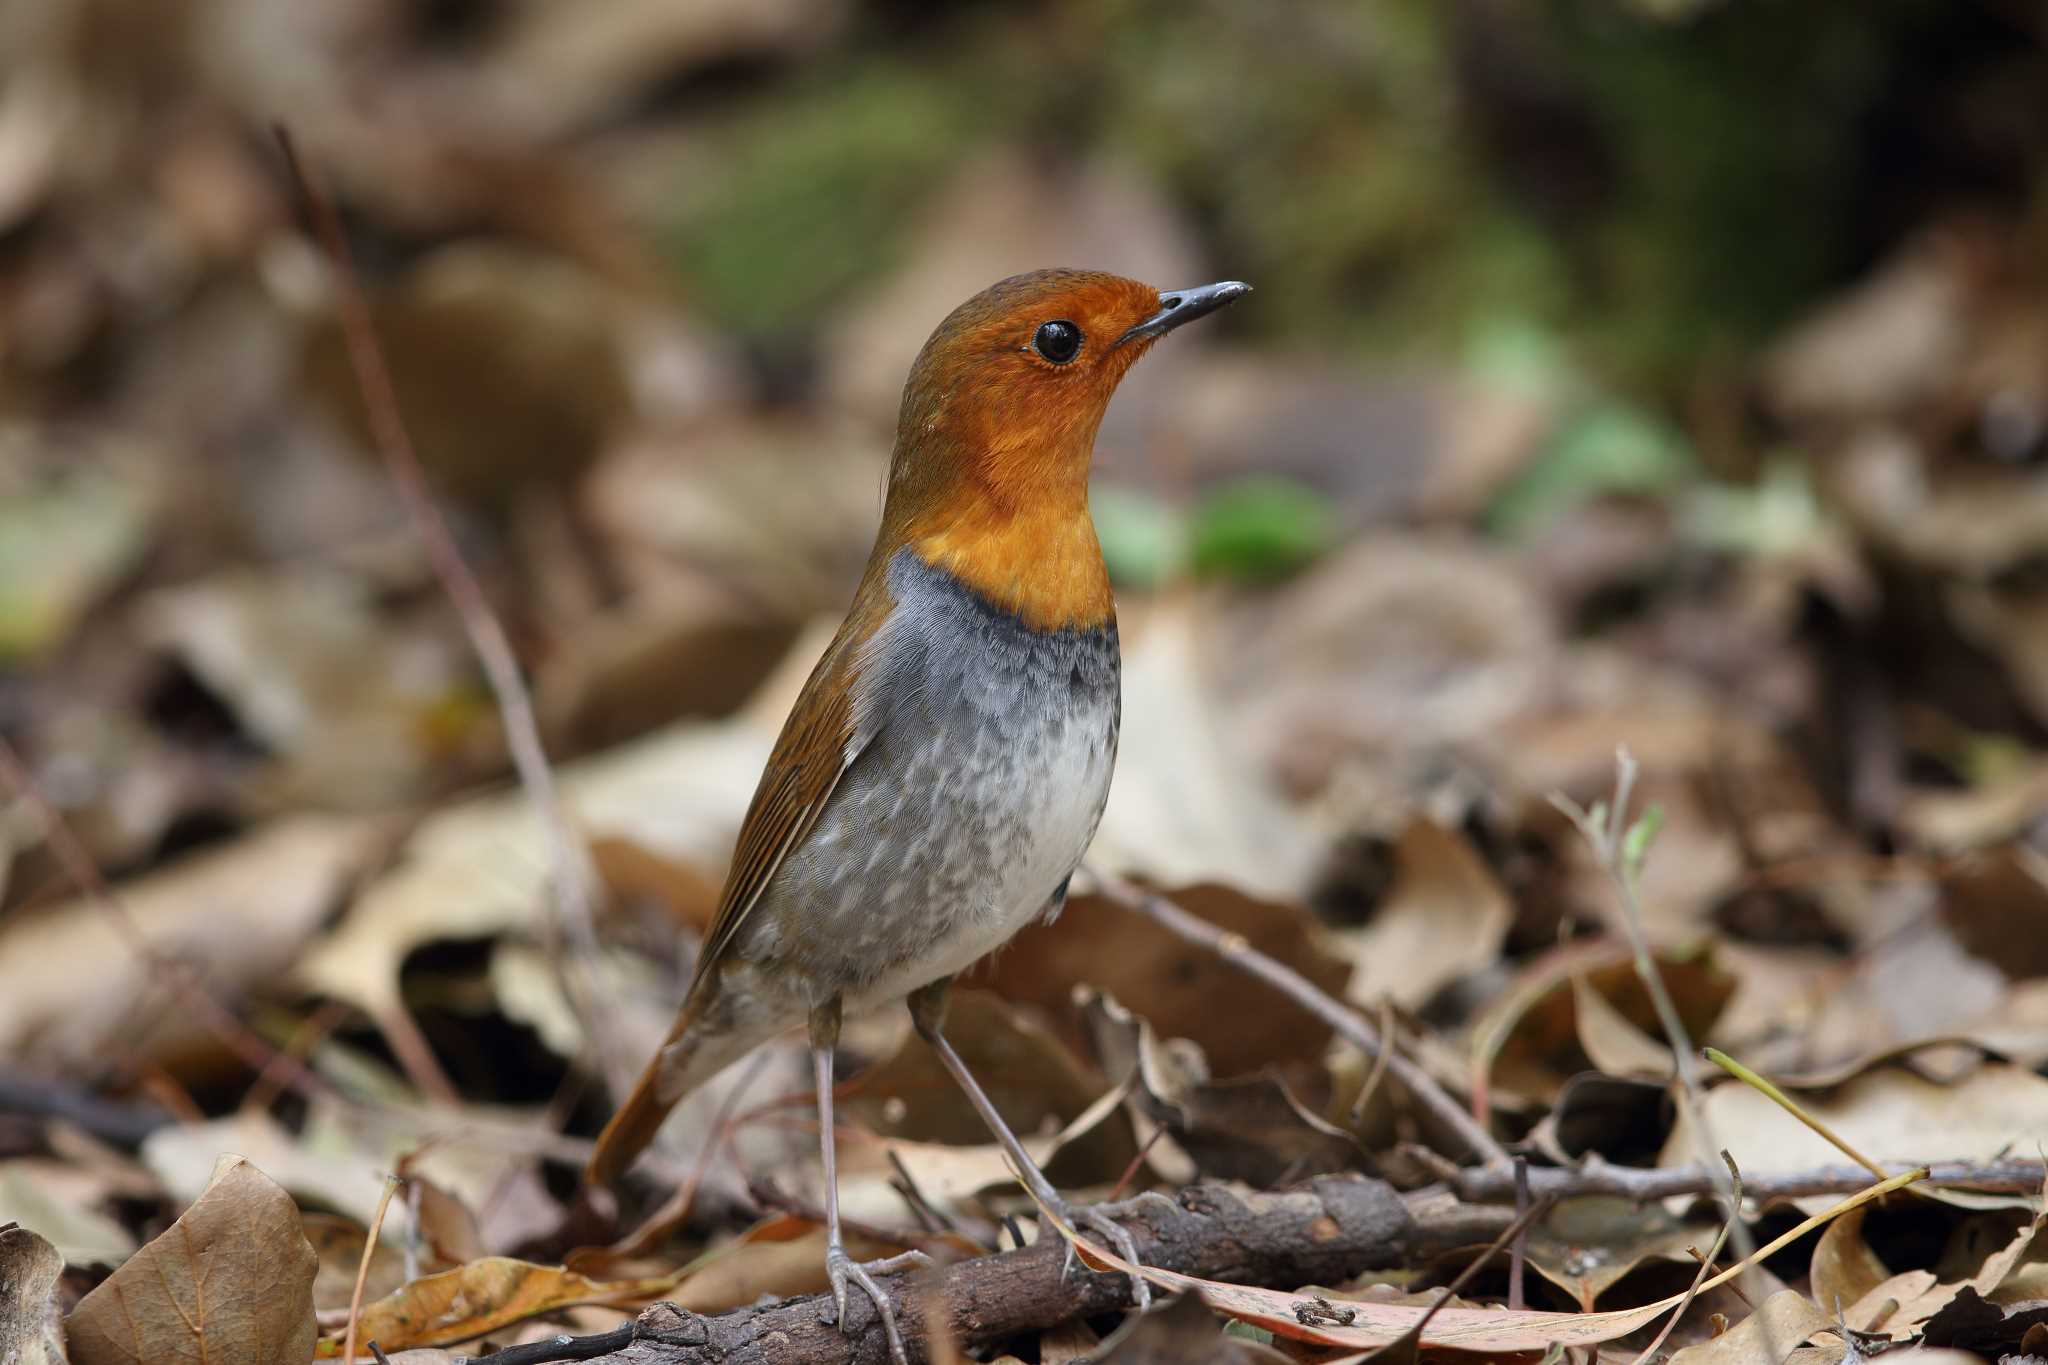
column 946, row 764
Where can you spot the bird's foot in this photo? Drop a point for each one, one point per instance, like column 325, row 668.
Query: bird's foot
column 1111, row 1231
column 842, row 1270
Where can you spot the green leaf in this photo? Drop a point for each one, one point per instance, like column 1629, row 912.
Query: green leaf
column 1608, row 447
column 1261, row 529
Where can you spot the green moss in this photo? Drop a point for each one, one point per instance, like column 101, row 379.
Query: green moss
column 806, row 193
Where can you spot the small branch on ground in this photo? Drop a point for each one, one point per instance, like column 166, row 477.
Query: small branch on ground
column 575, row 874
column 1347, row 1022
column 1621, row 846
column 1325, row 1232
column 1487, row 1185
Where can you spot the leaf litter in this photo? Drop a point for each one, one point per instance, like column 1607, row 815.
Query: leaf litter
column 1804, row 596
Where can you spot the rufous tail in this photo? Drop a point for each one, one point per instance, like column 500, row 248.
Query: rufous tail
column 688, row 1057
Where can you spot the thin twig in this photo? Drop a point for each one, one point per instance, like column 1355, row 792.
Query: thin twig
column 1785, row 1102
column 563, row 1347
column 1594, row 1176
column 355, row 1300
column 1379, row 1064
column 1410, row 1341
column 656, row 1227
column 575, row 875
column 1518, row 1253
column 1692, row 1291
column 1347, row 1023
column 254, row 1051
column 1620, row 848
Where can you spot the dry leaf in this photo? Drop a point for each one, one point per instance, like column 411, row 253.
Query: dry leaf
column 1844, row 1267
column 232, row 1279
column 1443, row 918
column 1585, row 1246
column 61, row 1201
column 483, row 1296
column 1171, row 983
column 31, row 1330
column 1765, row 1337
column 1250, row 1129
column 1035, row 1081
column 1889, row 1115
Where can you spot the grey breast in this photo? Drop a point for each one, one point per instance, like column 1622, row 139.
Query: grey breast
column 985, row 752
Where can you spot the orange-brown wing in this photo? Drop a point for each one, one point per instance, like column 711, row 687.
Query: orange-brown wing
column 816, row 746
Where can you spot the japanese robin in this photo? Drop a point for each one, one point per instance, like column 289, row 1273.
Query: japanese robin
column 947, row 762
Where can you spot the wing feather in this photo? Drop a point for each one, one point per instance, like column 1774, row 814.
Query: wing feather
column 818, row 743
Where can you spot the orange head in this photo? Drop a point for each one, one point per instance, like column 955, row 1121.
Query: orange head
column 990, row 475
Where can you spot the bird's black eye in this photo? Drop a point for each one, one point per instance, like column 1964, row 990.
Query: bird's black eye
column 1058, row 342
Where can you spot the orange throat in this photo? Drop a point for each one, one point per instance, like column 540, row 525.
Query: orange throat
column 1041, row 563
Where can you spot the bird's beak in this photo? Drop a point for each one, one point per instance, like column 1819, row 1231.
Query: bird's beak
column 1177, row 306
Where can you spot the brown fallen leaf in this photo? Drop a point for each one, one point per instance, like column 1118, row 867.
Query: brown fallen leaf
column 1171, row 983
column 1889, row 1114
column 1844, row 1267
column 1032, row 1075
column 1443, row 918
column 232, row 1279
column 483, row 1296
column 1586, row 1246
column 31, row 1331
column 1766, row 1337
column 1533, row 1036
column 1251, row 1128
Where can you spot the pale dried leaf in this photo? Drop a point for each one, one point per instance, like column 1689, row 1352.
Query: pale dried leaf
column 232, row 1279
column 1766, row 1337
column 30, row 1330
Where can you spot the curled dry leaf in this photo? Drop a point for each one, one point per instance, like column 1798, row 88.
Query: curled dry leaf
column 1250, row 1129
column 1535, row 1038
column 1171, row 983
column 478, row 869
column 1443, row 918
column 1765, row 1337
column 1585, row 1246
column 232, row 1279
column 31, row 1330
column 467, row 1302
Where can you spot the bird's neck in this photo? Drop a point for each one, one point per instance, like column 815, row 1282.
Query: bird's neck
column 1036, row 557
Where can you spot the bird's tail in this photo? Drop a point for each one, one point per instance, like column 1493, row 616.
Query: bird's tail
column 691, row 1055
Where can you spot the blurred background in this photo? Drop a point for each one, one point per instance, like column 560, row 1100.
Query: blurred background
column 1669, row 372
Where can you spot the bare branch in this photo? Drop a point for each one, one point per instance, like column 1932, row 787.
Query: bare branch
column 575, row 875
column 1599, row 1177
column 1347, row 1022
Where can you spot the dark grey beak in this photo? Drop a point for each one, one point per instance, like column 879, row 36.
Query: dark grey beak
column 1177, row 306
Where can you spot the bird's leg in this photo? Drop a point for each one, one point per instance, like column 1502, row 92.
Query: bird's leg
column 840, row 1268
column 928, row 1013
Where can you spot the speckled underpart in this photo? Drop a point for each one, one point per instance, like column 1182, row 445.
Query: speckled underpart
column 984, row 757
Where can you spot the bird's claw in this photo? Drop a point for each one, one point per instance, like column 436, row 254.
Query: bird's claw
column 842, row 1270
column 1113, row 1232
